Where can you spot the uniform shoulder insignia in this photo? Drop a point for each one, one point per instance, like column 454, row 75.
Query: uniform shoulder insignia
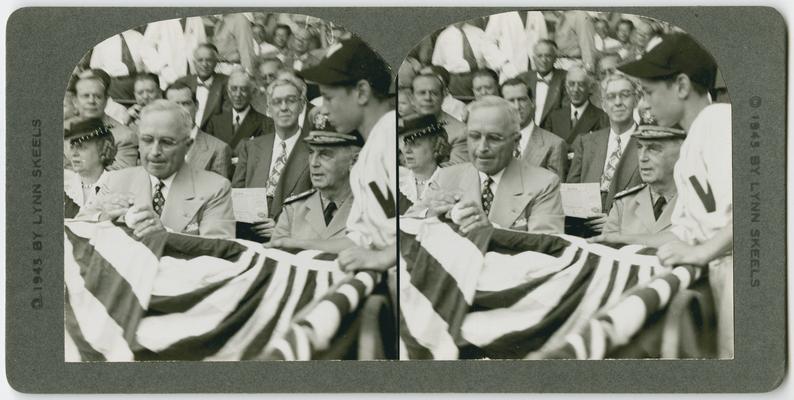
column 630, row 190
column 299, row 196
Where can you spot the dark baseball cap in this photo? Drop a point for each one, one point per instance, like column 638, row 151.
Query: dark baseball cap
column 676, row 53
column 348, row 62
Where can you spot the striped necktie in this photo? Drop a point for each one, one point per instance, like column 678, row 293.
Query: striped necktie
column 612, row 164
column 280, row 162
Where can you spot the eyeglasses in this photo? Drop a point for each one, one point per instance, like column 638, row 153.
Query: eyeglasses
column 289, row 101
column 166, row 143
column 624, row 94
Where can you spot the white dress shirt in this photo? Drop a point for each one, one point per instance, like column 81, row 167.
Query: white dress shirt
column 239, row 116
column 541, row 92
column 578, row 111
column 202, row 94
column 448, row 52
column 291, row 141
column 496, row 178
column 167, row 185
column 612, row 143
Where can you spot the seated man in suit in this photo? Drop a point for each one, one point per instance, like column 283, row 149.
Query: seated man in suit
column 91, row 98
column 207, row 152
column 428, row 94
column 495, row 187
column 242, row 122
column 579, row 116
column 537, row 146
column 208, row 85
column 646, row 209
column 609, row 156
column 165, row 192
column 321, row 213
column 146, row 88
column 278, row 160
column 546, row 82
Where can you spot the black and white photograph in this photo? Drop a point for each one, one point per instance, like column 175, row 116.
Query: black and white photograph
column 229, row 186
column 565, row 191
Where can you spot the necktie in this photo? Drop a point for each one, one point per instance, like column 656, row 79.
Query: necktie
column 468, row 52
column 126, row 56
column 658, row 207
column 281, row 160
column 487, row 195
column 328, row 214
column 183, row 21
column 237, row 123
column 612, row 164
column 575, row 118
column 158, row 201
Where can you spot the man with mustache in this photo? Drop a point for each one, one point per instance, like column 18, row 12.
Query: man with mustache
column 577, row 115
column 277, row 160
column 242, row 122
column 609, row 156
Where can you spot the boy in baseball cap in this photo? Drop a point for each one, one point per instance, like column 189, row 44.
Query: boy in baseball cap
column 676, row 76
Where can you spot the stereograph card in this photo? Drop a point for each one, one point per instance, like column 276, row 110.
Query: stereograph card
column 412, row 236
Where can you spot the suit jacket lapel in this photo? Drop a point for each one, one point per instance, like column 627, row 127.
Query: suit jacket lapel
column 664, row 220
column 314, row 215
column 508, row 199
column 644, row 210
column 213, row 97
column 247, row 127
column 627, row 167
column 200, row 153
column 553, row 95
column 297, row 163
column 181, row 204
column 536, row 148
column 262, row 153
column 339, row 222
column 597, row 156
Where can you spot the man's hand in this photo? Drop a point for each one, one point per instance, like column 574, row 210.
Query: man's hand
column 114, row 205
column 143, row 220
column 596, row 222
column 285, row 243
column 264, row 228
column 679, row 253
column 441, row 203
column 359, row 258
column 470, row 216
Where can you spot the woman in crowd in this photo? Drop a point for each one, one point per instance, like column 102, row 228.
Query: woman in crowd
column 90, row 148
column 424, row 147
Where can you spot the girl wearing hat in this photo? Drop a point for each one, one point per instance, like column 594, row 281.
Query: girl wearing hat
column 90, row 148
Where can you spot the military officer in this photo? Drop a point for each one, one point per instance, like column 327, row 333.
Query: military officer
column 321, row 212
column 646, row 209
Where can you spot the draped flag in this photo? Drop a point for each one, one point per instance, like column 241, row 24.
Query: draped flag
column 507, row 294
column 178, row 297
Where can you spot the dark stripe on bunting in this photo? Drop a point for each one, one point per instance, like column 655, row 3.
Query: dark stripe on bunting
column 159, row 305
column 612, row 275
column 647, row 251
column 430, row 278
column 87, row 352
column 415, row 350
column 650, row 298
column 484, row 301
column 207, row 344
column 255, row 346
column 631, row 281
column 309, row 291
column 511, row 242
column 325, row 257
column 107, row 286
column 187, row 247
column 518, row 344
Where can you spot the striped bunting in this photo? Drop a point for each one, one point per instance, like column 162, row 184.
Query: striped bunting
column 509, row 294
column 179, row 297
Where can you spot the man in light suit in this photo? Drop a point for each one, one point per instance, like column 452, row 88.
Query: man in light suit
column 321, row 213
column 577, row 115
column 428, row 95
column 209, row 86
column 279, row 159
column 646, row 209
column 165, row 192
column 546, row 82
column 207, row 152
column 175, row 40
column 537, row 146
column 242, row 122
column 609, row 156
column 91, row 98
column 495, row 187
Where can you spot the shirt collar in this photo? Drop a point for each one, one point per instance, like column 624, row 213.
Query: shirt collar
column 580, row 109
column 545, row 78
column 194, row 132
column 625, row 136
column 167, row 181
column 496, row 177
column 242, row 114
column 206, row 83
